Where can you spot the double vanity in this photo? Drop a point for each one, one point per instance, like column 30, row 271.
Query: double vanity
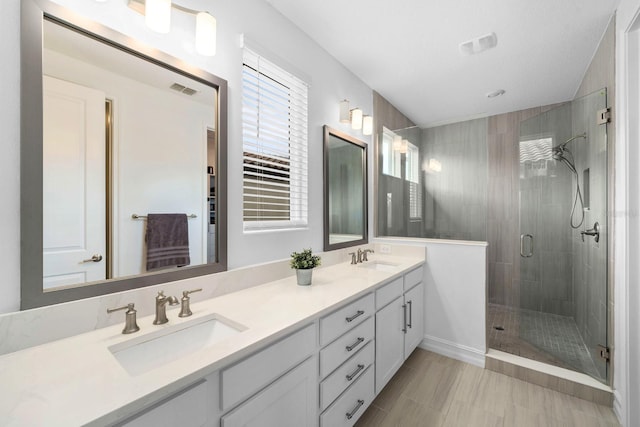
column 275, row 354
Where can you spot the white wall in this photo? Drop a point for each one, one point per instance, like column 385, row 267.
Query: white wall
column 330, row 83
column 455, row 296
column 626, row 363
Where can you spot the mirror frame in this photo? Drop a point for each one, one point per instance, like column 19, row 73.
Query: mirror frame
column 32, row 295
column 328, row 133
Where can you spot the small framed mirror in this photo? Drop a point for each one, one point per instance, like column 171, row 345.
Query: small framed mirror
column 345, row 190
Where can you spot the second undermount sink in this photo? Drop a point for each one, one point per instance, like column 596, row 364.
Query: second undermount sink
column 380, row 265
column 143, row 354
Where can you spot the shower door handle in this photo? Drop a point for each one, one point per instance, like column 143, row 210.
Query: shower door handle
column 522, row 239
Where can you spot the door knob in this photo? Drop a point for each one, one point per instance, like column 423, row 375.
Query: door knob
column 95, row 258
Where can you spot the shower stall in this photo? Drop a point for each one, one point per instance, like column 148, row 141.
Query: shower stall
column 533, row 184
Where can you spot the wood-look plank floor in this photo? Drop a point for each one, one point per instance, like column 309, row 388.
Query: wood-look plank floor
column 433, row 390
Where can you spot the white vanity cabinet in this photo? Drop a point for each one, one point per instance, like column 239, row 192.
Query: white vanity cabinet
column 399, row 324
column 190, row 407
column 275, row 387
column 346, row 363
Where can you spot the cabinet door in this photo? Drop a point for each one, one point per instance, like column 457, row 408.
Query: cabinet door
column 389, row 342
column 414, row 300
column 290, row 401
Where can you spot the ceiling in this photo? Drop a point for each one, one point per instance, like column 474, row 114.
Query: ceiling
column 407, row 50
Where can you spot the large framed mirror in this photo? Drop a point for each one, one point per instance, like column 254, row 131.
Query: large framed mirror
column 115, row 136
column 345, row 190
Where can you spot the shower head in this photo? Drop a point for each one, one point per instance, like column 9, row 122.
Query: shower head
column 561, row 148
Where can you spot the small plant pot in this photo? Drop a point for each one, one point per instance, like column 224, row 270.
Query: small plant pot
column 304, row 276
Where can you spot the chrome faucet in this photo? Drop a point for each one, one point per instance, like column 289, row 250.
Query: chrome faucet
column 360, row 257
column 364, row 254
column 161, row 307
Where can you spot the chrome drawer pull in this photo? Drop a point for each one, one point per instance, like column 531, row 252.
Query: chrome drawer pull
column 404, row 318
column 358, row 314
column 354, row 410
column 354, row 373
column 410, row 324
column 355, row 344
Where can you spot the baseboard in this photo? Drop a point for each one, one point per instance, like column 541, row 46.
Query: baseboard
column 453, row 350
column 618, row 407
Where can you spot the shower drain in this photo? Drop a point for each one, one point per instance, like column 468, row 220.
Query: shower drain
column 498, row 328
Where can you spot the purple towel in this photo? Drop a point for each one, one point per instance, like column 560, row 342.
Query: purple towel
column 167, row 240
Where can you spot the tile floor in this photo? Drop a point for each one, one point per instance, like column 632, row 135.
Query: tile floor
column 432, row 390
column 545, row 337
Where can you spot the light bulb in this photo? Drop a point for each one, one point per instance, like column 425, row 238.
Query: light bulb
column 356, row 119
column 157, row 15
column 205, row 34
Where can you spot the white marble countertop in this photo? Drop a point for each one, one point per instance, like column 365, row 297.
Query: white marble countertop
column 77, row 380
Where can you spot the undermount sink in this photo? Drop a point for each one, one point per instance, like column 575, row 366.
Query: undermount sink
column 143, row 354
column 380, row 265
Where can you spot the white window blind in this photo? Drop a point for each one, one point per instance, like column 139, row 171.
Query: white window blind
column 412, row 170
column 274, row 138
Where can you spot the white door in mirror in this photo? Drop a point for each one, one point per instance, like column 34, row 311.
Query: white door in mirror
column 73, row 184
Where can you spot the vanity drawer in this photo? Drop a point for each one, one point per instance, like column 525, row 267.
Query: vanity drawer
column 243, row 379
column 346, row 346
column 339, row 322
column 346, row 375
column 388, row 293
column 412, row 278
column 352, row 403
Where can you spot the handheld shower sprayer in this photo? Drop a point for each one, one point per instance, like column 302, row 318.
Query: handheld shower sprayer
column 558, row 153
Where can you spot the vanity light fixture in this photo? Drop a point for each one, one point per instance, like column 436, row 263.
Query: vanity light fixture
column 367, row 125
column 157, row 15
column 404, row 147
column 206, row 34
column 345, row 116
column 397, row 143
column 356, row 119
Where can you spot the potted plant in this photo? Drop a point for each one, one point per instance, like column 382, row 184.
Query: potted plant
column 304, row 262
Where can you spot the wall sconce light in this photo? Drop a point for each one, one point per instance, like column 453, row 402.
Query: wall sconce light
column 345, row 116
column 206, row 27
column 157, row 16
column 367, row 125
column 404, row 146
column 356, row 119
column 397, row 142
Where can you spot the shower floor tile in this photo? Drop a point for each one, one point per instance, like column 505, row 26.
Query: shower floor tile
column 544, row 337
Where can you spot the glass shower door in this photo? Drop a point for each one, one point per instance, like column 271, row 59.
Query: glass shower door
column 563, row 236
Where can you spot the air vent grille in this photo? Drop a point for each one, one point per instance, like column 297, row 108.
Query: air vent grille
column 183, row 89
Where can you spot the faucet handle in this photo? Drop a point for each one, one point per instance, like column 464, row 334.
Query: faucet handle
column 353, row 258
column 130, row 324
column 185, row 309
column 365, row 252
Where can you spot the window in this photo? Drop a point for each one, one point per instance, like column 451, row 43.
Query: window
column 412, row 172
column 274, row 139
column 390, row 155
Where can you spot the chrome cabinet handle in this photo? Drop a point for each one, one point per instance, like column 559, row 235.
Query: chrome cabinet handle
column 354, row 373
column 354, row 410
column 355, row 344
column 410, row 304
column 404, row 318
column 530, row 253
column 95, row 258
column 352, row 318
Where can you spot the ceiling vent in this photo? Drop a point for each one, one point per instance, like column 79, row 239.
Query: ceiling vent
column 183, row 89
column 479, row 44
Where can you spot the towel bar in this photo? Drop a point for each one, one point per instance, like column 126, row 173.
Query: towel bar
column 136, row 216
